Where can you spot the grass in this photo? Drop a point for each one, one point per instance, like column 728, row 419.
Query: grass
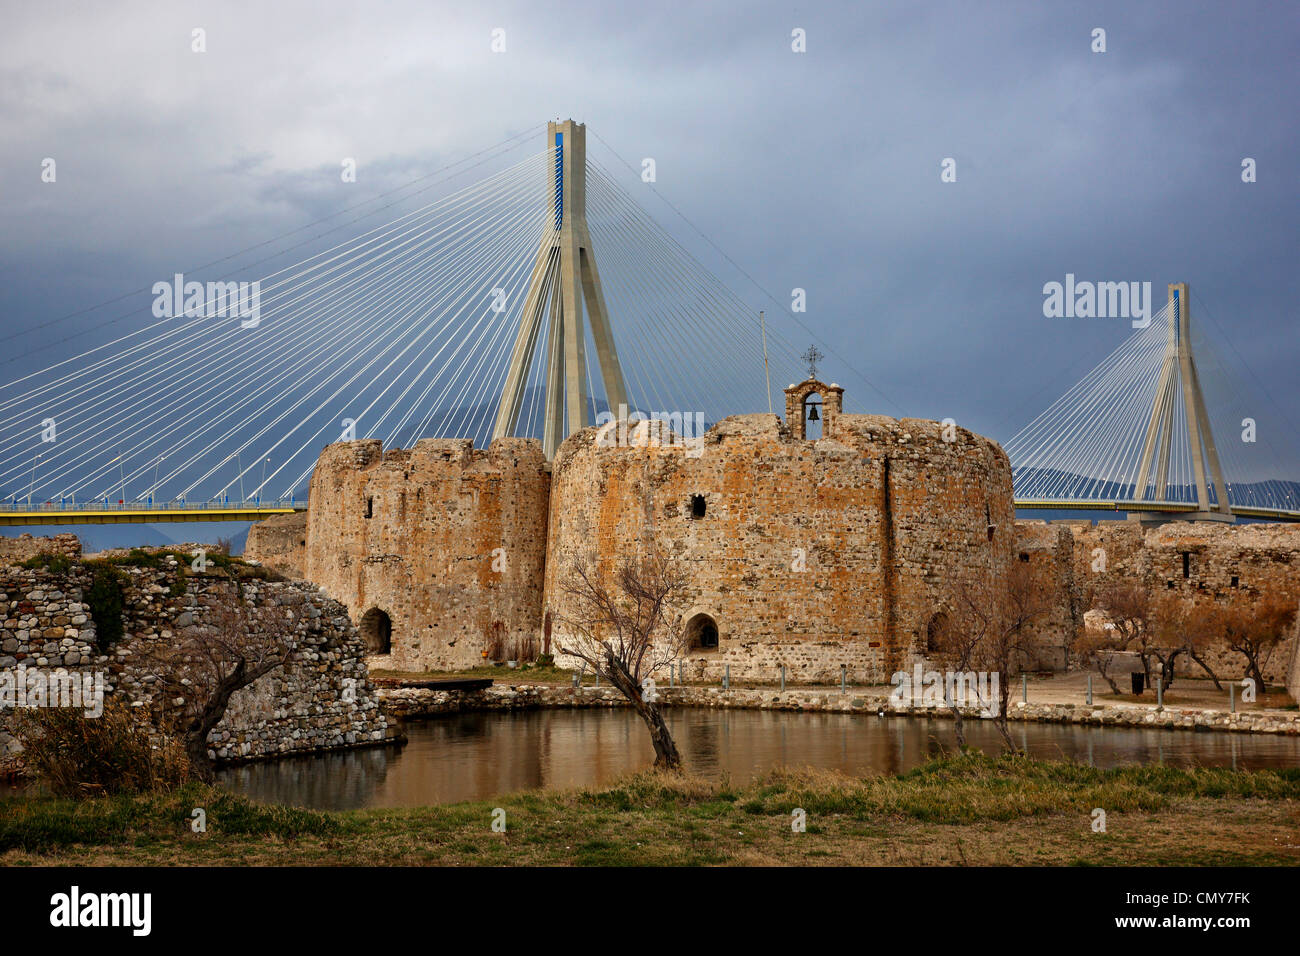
column 965, row 809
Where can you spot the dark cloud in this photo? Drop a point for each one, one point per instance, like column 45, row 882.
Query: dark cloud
column 817, row 170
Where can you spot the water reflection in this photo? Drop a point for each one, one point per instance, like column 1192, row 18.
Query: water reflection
column 478, row 755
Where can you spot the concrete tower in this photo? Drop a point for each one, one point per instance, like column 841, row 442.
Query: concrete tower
column 1179, row 369
column 565, row 262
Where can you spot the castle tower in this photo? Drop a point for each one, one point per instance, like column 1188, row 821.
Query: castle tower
column 565, row 260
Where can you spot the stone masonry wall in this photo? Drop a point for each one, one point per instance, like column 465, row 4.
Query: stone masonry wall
column 321, row 698
column 279, row 543
column 1222, row 560
column 812, row 554
column 446, row 540
column 17, row 549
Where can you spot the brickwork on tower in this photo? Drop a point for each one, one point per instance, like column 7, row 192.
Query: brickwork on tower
column 437, row 551
column 809, row 554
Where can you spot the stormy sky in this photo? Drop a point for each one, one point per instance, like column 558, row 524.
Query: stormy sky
column 818, row 170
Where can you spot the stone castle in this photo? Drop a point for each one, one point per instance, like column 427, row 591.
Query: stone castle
column 814, row 553
column 809, row 553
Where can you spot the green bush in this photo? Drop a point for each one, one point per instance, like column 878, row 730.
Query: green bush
column 105, row 598
column 49, row 561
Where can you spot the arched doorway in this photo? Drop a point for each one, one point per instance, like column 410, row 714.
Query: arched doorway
column 377, row 631
column 702, row 633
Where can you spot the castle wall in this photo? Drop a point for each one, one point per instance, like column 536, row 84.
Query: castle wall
column 1047, row 550
column 808, row 554
column 446, row 540
column 1222, row 560
column 279, row 543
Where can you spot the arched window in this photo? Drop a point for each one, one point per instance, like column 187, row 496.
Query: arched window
column 377, row 631
column 702, row 633
column 934, row 632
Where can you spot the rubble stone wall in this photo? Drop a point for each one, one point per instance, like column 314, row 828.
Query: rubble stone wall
column 320, row 699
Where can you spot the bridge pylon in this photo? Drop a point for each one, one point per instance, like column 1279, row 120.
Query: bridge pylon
column 1178, row 375
column 564, row 277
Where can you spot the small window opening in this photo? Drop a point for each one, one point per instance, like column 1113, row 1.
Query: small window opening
column 1024, row 555
column 1235, row 582
column 370, row 507
column 697, row 506
column 1187, row 564
column 377, row 632
column 702, row 633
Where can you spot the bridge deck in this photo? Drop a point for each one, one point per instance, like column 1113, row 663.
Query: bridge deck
column 141, row 514
column 1173, row 507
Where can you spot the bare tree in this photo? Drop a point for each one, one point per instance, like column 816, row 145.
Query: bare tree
column 1100, row 647
column 956, row 636
column 1199, row 619
column 236, row 645
column 1130, row 610
column 627, row 631
column 1253, row 627
column 988, row 630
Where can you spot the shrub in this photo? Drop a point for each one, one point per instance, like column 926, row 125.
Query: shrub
column 105, row 599
column 49, row 561
column 118, row 751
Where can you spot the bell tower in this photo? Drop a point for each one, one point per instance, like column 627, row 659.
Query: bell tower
column 801, row 405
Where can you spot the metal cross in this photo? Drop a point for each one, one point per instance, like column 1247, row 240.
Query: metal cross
column 812, row 357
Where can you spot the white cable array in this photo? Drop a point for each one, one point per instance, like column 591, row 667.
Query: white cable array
column 1087, row 445
column 182, row 390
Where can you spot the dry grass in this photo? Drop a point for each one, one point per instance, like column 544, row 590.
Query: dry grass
column 965, row 810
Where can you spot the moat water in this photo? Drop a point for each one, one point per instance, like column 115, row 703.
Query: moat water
column 481, row 755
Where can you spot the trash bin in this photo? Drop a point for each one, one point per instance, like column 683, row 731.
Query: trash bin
column 1139, row 681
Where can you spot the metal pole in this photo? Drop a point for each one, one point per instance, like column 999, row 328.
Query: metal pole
column 1232, row 697
column 1024, row 688
column 783, row 678
column 767, row 373
column 31, row 487
column 1160, row 692
column 843, row 679
column 670, row 674
column 726, row 678
column 1089, row 690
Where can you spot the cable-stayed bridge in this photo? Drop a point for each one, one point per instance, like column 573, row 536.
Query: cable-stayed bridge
column 492, row 310
column 526, row 302
column 1137, row 434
